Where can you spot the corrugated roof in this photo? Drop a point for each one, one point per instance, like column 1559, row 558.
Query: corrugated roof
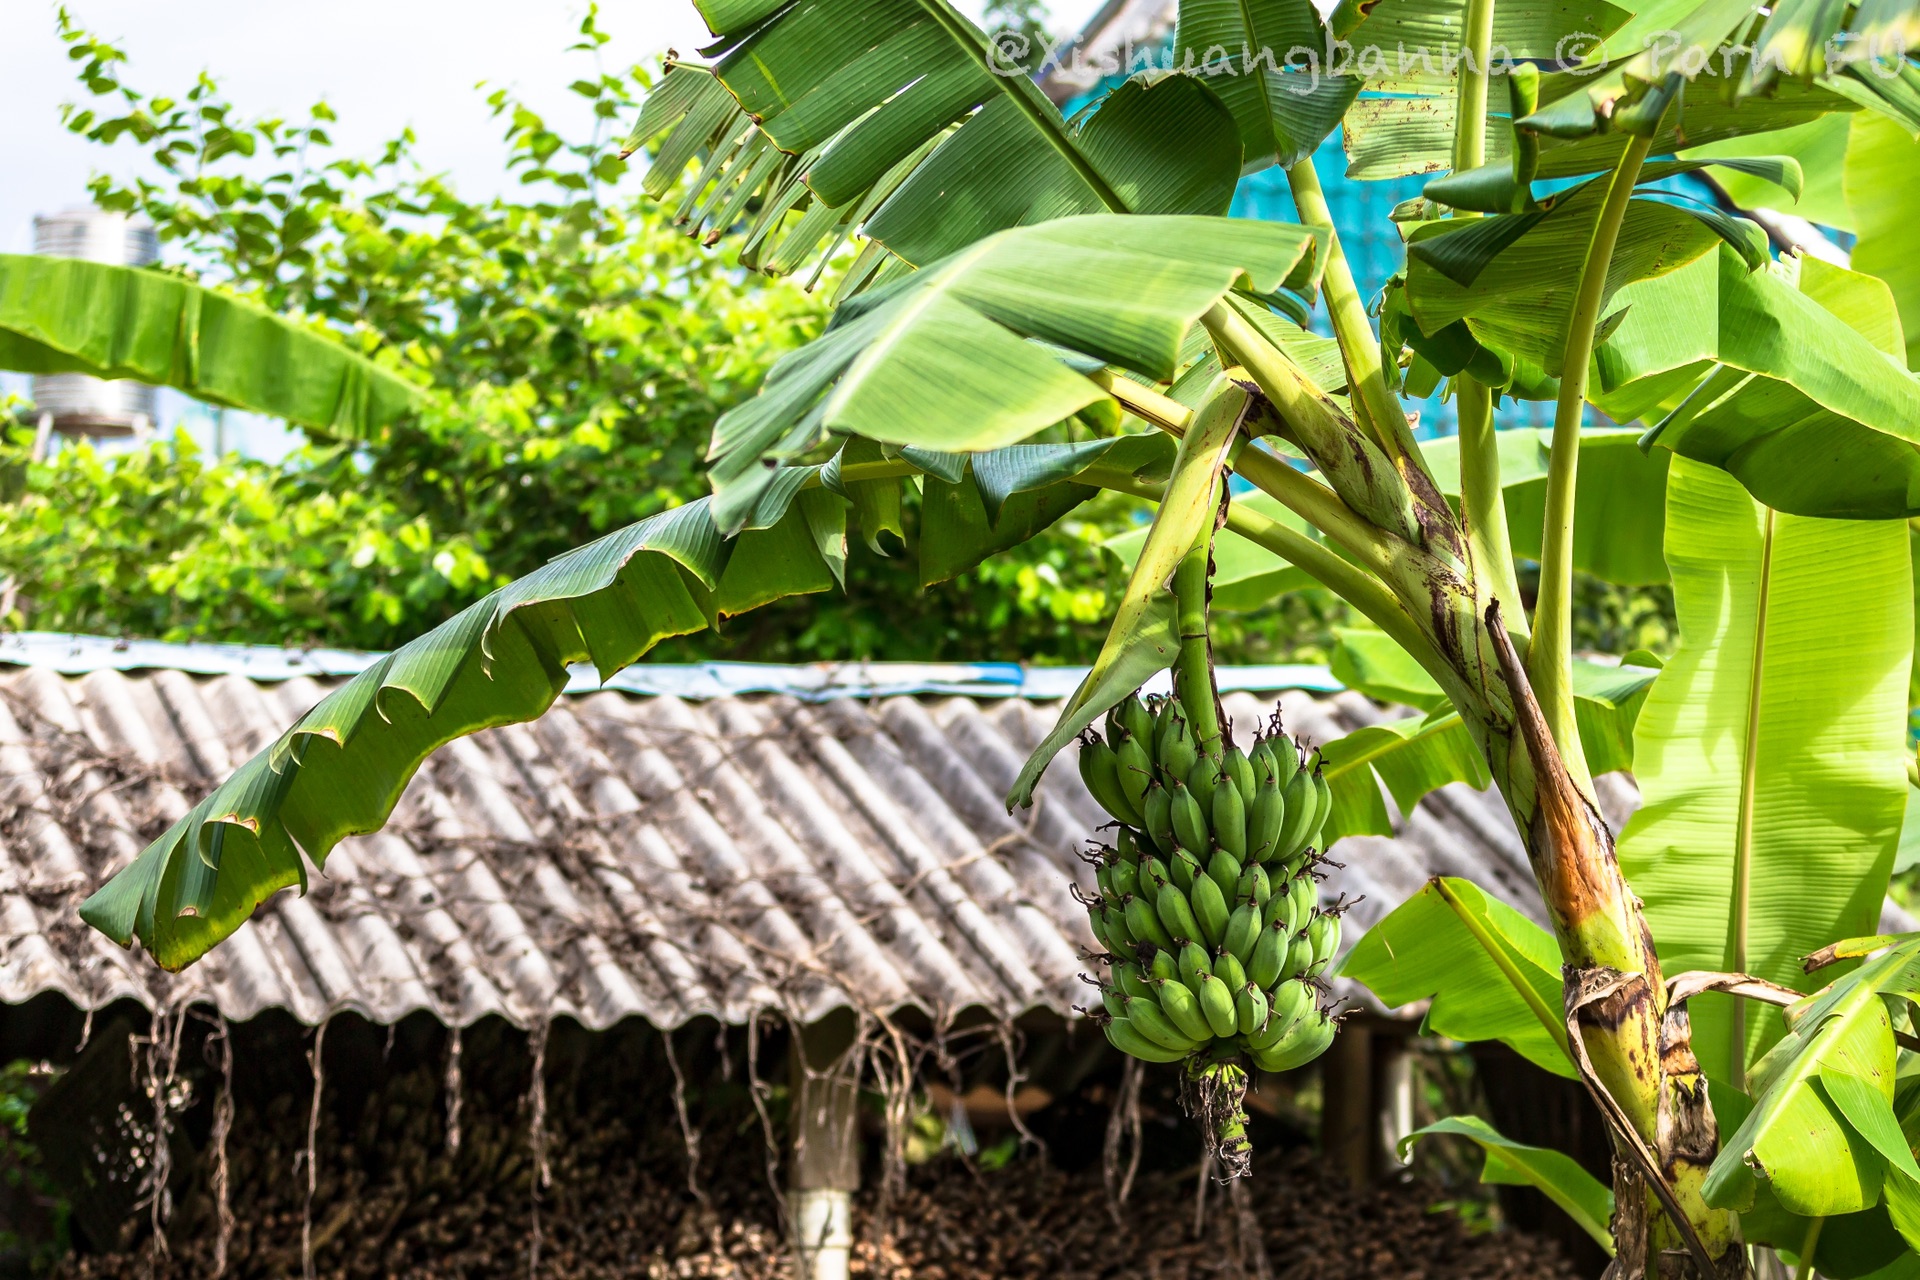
column 630, row 856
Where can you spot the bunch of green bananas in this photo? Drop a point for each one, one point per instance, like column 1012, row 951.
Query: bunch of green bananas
column 1208, row 904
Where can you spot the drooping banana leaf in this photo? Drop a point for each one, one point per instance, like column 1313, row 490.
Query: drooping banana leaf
column 1820, row 145
column 1010, row 494
column 1770, row 750
column 1818, row 1135
column 1409, row 54
column 971, row 353
column 65, row 315
column 1240, row 50
column 1521, row 294
column 341, row 768
column 1809, row 414
column 1555, row 1174
column 1881, row 163
column 1489, row 972
column 898, row 120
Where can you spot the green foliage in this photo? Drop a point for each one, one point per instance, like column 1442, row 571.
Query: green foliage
column 1490, row 973
column 1511, row 1163
column 36, row 1234
column 1770, row 754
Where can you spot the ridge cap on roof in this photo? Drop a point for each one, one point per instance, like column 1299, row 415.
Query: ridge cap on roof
column 701, row 681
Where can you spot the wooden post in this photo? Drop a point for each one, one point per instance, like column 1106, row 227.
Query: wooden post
column 1347, row 1112
column 826, row 1147
column 1393, row 1098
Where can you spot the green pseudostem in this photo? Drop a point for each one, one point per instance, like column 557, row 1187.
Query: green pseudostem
column 1193, row 668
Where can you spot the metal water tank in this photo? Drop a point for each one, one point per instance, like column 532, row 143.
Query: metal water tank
column 71, row 403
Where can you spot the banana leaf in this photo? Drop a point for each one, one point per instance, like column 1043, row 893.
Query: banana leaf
column 898, row 120
column 1802, row 408
column 341, row 768
column 65, row 315
column 1771, row 748
column 1008, row 495
column 1283, row 112
column 1489, row 972
column 1555, row 1174
column 1881, row 161
column 1521, row 293
column 1822, row 1134
column 1408, row 757
column 974, row 352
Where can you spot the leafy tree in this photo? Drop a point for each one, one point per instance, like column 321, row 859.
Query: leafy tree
column 1043, row 309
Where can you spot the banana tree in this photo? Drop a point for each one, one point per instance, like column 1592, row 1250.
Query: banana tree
column 1042, row 307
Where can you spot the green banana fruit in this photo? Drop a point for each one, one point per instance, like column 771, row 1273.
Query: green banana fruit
column 1124, row 876
column 1287, row 1003
column 1135, row 771
column 1227, row 968
column 1153, row 874
column 1250, row 1007
column 1203, row 780
column 1230, row 820
column 1224, row 869
column 1303, row 895
column 1324, row 790
column 1189, row 821
column 1300, row 954
column 1100, row 770
column 1136, row 719
column 1114, row 1001
column 1098, row 924
column 1307, row 1041
column 1237, row 767
column 1216, row 1003
column 1133, row 980
column 1143, row 922
column 1186, row 869
column 1265, row 821
column 1286, row 758
column 1163, row 965
column 1301, row 806
column 1177, row 915
column 1209, row 908
column 1176, row 750
column 1158, row 817
column 1178, row 1002
column 1253, row 883
column 1270, row 951
column 1324, row 934
column 1147, row 1018
column 1113, row 919
column 1243, row 930
column 1193, row 963
column 1122, row 1036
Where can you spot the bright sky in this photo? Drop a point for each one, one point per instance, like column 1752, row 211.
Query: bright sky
column 383, row 64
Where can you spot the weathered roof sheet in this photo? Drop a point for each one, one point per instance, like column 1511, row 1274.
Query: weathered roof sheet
column 650, row 856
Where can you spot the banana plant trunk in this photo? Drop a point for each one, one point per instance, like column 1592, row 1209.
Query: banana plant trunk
column 1633, row 1053
column 1381, row 505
